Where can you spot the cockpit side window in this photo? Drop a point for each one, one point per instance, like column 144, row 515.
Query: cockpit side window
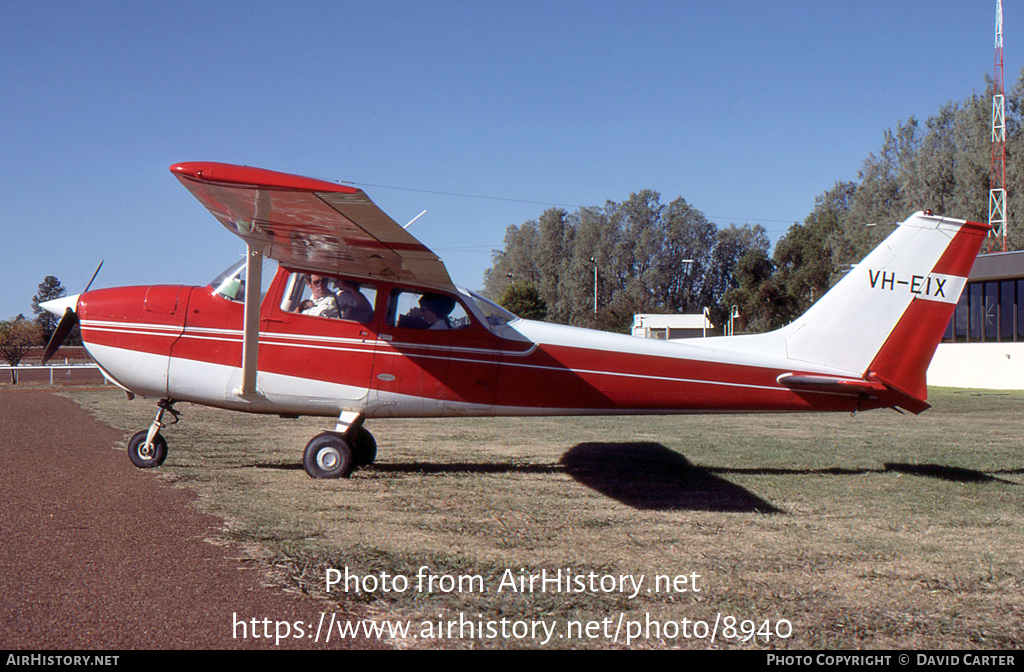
column 329, row 296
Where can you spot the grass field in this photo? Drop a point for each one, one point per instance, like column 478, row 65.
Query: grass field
column 831, row 531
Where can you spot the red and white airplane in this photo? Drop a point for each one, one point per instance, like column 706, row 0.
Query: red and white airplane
column 362, row 321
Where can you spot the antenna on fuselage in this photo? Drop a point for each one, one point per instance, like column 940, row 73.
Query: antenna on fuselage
column 414, row 219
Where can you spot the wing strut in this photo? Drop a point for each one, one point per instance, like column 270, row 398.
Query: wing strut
column 251, row 318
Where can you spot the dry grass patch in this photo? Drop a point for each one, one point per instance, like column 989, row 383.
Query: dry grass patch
column 872, row 531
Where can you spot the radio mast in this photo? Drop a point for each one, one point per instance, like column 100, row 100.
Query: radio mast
column 997, row 177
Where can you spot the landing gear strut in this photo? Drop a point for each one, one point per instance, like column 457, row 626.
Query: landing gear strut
column 148, row 449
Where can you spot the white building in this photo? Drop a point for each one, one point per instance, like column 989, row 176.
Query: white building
column 984, row 343
column 671, row 327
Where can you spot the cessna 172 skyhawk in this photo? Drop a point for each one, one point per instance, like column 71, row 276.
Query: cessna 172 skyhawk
column 362, row 321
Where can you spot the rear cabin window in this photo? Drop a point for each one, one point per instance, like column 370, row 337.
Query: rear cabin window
column 417, row 310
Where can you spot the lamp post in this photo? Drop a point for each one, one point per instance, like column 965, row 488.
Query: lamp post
column 734, row 313
column 593, row 260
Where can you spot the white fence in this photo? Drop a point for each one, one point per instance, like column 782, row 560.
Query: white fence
column 54, row 367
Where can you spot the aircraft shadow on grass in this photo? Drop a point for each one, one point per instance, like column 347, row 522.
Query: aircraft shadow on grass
column 940, row 471
column 649, row 476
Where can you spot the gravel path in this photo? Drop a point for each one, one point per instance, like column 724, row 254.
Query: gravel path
column 95, row 554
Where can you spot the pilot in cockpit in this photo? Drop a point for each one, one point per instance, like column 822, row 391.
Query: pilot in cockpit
column 323, row 303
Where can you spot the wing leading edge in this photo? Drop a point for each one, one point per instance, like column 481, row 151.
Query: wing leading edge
column 312, row 224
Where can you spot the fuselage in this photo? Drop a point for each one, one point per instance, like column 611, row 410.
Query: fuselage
column 185, row 343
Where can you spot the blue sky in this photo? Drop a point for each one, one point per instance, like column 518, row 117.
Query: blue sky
column 748, row 110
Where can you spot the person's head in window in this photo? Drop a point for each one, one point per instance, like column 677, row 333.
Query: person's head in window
column 351, row 302
column 323, row 303
column 317, row 285
column 435, row 310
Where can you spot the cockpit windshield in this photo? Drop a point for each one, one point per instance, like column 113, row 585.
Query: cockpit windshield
column 495, row 315
column 231, row 283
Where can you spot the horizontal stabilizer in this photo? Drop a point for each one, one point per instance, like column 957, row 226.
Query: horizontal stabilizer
column 852, row 387
column 855, row 387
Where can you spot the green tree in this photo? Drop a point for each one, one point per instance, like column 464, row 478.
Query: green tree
column 49, row 289
column 732, row 244
column 1015, row 164
column 804, row 261
column 523, row 299
column 649, row 258
column 762, row 304
column 687, row 252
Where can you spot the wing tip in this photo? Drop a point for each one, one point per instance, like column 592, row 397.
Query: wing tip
column 228, row 173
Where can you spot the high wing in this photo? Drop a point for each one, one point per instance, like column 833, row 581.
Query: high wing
column 312, row 224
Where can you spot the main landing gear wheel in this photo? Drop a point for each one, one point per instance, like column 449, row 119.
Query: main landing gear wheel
column 147, row 457
column 328, row 456
column 365, row 449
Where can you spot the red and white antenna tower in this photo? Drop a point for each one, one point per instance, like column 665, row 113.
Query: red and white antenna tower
column 997, row 176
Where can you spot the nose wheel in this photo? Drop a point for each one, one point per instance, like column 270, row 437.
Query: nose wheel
column 148, row 448
column 147, row 454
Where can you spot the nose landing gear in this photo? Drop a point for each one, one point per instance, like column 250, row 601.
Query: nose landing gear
column 148, row 448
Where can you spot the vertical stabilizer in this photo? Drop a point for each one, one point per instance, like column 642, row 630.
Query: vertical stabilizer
column 884, row 320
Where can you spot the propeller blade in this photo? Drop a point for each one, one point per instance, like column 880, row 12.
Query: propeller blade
column 64, row 327
column 93, row 276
